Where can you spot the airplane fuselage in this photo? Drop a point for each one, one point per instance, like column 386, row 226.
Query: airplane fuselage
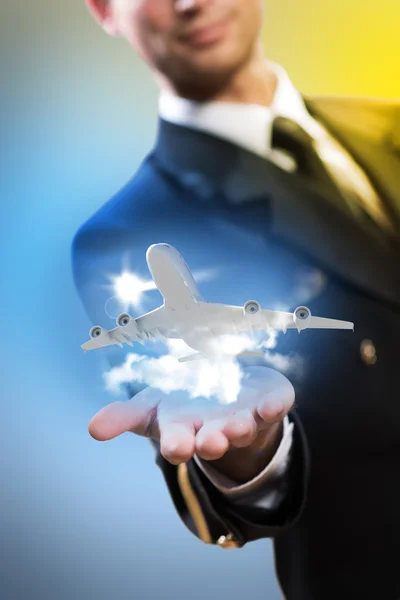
column 182, row 299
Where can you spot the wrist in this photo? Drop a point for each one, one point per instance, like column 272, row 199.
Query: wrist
column 243, row 464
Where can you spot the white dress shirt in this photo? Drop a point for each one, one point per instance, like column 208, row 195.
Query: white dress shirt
column 248, row 126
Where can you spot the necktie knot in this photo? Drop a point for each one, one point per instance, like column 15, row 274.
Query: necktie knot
column 286, row 131
column 292, row 138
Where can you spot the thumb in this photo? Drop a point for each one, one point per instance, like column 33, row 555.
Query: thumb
column 138, row 415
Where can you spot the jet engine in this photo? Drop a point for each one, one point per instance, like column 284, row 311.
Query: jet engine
column 253, row 313
column 302, row 317
column 96, row 332
column 123, row 320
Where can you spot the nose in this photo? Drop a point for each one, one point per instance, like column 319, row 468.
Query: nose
column 189, row 6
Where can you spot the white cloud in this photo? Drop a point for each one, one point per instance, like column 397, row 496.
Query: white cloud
column 309, row 284
column 220, row 377
column 292, row 364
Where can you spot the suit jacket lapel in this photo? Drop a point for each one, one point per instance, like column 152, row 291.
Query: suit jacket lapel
column 306, row 221
column 301, row 215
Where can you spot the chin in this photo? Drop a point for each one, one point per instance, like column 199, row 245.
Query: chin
column 221, row 69
column 211, row 66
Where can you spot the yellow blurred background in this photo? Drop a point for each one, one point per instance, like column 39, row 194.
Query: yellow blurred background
column 349, row 47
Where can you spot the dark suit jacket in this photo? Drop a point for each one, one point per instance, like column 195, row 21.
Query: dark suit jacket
column 337, row 529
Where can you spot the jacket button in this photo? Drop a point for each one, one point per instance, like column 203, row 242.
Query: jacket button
column 227, row 541
column 368, row 352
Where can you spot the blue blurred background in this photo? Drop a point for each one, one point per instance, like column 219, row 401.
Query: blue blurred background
column 80, row 519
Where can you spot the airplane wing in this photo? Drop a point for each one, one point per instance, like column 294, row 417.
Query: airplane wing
column 225, row 319
column 325, row 323
column 104, row 338
column 151, row 326
column 154, row 323
column 285, row 320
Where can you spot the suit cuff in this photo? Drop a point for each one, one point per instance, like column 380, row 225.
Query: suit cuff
column 275, row 468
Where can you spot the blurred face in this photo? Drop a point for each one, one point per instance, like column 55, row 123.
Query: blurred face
column 190, row 42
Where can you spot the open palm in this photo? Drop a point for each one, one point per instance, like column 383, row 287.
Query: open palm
column 186, row 426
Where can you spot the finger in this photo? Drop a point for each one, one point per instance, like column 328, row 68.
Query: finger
column 240, row 429
column 275, row 405
column 211, row 443
column 177, row 442
column 138, row 415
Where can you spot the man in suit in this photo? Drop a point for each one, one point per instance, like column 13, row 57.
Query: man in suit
column 296, row 199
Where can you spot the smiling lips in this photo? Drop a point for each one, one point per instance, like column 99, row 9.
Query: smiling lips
column 205, row 36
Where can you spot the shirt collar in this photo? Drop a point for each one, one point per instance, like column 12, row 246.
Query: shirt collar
column 246, row 125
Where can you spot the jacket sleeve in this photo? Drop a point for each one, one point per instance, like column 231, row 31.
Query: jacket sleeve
column 232, row 522
column 214, row 517
column 278, row 464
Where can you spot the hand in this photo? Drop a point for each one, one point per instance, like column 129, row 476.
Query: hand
column 213, row 431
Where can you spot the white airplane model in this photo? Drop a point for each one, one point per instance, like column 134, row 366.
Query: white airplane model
column 185, row 315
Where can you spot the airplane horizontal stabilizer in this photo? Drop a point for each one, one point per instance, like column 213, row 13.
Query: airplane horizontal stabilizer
column 196, row 356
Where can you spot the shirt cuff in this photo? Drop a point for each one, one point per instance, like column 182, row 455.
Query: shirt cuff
column 275, row 468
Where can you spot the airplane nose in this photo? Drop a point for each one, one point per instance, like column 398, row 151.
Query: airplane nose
column 156, row 250
column 152, row 250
